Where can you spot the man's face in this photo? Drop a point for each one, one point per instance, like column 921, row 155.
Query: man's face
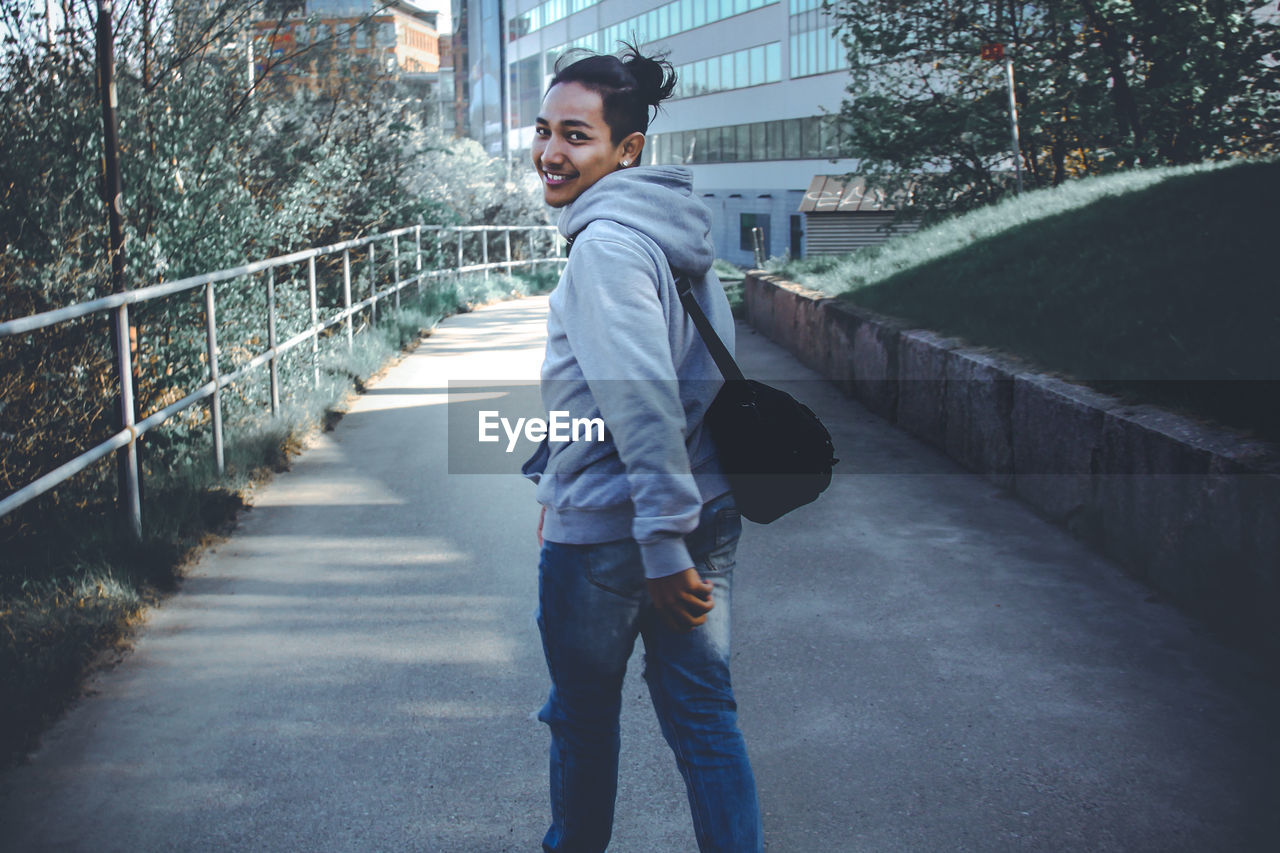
column 572, row 146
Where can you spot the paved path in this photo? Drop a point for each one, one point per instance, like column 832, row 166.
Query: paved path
column 922, row 664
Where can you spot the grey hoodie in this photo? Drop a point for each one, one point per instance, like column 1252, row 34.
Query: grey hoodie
column 620, row 347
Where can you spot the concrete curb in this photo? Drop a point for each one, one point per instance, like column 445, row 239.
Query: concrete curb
column 1193, row 510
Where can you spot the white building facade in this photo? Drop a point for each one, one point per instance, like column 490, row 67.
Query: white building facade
column 756, row 78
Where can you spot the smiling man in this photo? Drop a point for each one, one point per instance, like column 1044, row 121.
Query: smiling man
column 639, row 532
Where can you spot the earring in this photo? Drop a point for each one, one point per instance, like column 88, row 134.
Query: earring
column 626, row 163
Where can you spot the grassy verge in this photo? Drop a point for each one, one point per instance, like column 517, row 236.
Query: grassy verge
column 731, row 277
column 72, row 587
column 1157, row 285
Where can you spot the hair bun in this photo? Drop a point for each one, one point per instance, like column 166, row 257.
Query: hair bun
column 631, row 87
column 654, row 76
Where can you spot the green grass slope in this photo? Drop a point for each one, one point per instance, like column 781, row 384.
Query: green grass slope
column 1161, row 286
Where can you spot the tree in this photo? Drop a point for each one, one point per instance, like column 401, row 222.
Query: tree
column 216, row 172
column 1101, row 85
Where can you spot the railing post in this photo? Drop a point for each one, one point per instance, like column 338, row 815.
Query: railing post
column 315, row 322
column 506, row 239
column 417, row 257
column 271, row 341
column 458, row 270
column 215, row 401
column 533, row 246
column 484, row 241
column 130, row 502
column 346, row 296
column 395, row 260
column 373, row 288
column 439, row 250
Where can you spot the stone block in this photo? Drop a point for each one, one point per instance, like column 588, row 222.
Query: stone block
column 1222, row 561
column 922, row 385
column 875, row 356
column 1057, row 438
column 1259, row 576
column 1148, row 492
column 784, row 317
column 797, row 322
column 807, row 343
column 841, row 324
column 758, row 295
column 979, row 409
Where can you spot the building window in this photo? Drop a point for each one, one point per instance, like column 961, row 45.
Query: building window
column 526, row 86
column 810, row 138
column 759, row 136
column 716, row 152
column 687, row 142
column 546, row 13
column 752, row 66
column 728, row 145
column 773, row 61
column 773, row 143
column 814, row 49
column 675, row 17
column 747, row 222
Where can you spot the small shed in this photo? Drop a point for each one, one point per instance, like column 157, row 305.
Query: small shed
column 841, row 217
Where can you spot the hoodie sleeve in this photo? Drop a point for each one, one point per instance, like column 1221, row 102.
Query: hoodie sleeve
column 617, row 331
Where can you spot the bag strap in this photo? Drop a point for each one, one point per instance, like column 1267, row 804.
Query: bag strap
column 719, row 352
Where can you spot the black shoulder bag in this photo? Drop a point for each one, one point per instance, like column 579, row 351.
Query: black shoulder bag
column 774, row 450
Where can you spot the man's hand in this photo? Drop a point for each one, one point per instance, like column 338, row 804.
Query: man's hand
column 683, row 599
column 542, row 516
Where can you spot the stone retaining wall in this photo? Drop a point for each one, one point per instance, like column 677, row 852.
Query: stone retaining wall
column 1192, row 510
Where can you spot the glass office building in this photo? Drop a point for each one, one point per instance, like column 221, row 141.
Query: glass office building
column 757, row 79
column 479, row 57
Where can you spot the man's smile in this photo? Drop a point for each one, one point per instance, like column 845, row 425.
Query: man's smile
column 555, row 179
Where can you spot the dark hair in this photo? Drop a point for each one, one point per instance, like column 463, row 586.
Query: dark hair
column 628, row 87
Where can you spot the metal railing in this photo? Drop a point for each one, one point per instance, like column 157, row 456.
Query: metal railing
column 125, row 440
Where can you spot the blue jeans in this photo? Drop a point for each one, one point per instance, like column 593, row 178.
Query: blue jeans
column 592, row 604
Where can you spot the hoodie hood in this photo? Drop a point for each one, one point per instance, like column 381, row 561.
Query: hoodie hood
column 657, row 201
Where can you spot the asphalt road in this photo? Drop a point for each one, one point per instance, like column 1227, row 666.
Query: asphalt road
column 921, row 663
